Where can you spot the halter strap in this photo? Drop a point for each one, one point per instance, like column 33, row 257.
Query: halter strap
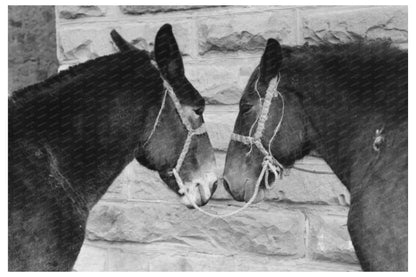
column 191, row 132
column 269, row 164
column 270, row 94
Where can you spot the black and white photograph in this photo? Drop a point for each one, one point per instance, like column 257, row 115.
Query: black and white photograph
column 207, row 138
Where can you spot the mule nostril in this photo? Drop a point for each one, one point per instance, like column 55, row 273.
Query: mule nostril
column 197, row 185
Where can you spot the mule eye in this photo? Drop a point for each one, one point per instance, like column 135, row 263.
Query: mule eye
column 245, row 107
column 199, row 111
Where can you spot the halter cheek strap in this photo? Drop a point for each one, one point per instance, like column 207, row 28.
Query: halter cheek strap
column 191, row 132
column 269, row 164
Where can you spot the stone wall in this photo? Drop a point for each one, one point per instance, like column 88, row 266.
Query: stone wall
column 139, row 224
column 32, row 45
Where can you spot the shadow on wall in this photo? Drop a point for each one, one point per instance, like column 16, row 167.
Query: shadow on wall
column 32, row 45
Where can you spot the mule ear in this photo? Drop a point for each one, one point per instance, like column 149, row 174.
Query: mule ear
column 121, row 43
column 270, row 61
column 167, row 55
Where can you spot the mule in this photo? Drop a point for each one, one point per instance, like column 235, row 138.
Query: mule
column 72, row 135
column 349, row 103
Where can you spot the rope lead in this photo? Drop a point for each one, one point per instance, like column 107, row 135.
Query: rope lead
column 267, row 166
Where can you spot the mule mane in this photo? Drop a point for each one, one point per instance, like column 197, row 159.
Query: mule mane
column 51, row 86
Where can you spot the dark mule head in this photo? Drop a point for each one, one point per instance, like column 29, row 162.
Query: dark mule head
column 165, row 133
column 244, row 162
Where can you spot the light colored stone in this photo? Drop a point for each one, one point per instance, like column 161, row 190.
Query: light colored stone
column 119, row 188
column 262, row 229
column 220, row 121
column 246, row 32
column 138, row 10
column 140, row 257
column 75, row 12
column 78, row 45
column 84, row 42
column 91, row 258
column 221, row 81
column 145, row 184
column 143, row 34
column 328, row 238
column 341, row 24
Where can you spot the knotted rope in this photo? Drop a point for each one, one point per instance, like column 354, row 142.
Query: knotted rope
column 269, row 164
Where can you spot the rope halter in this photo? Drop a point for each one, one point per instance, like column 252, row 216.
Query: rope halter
column 269, row 164
column 191, row 132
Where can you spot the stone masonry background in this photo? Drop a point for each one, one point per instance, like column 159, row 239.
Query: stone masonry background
column 139, row 224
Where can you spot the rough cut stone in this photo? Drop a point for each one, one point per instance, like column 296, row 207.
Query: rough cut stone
column 262, row 229
column 138, row 10
column 145, row 184
column 82, row 43
column 345, row 25
column 246, row 32
column 170, row 258
column 75, row 12
column 221, row 81
column 329, row 238
column 220, row 121
column 91, row 258
column 158, row 237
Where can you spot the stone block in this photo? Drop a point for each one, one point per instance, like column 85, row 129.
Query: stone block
column 220, row 121
column 139, row 10
column 342, row 24
column 165, row 258
column 221, row 81
column 260, row 229
column 76, row 12
column 328, row 238
column 91, row 258
column 145, row 184
column 246, row 32
column 80, row 43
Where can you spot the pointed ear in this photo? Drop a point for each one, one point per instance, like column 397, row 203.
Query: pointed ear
column 270, row 61
column 167, row 55
column 121, row 43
